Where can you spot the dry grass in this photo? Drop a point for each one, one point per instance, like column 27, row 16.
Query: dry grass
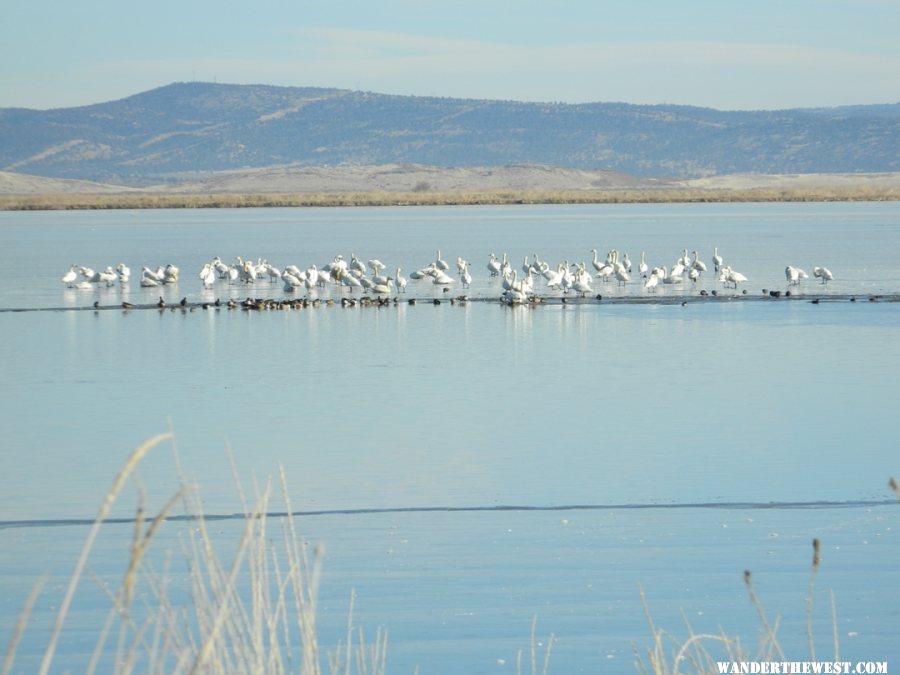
column 246, row 614
column 147, row 200
column 669, row 655
column 254, row 613
column 700, row 652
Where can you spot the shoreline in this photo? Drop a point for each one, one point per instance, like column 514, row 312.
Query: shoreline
column 363, row 301
column 173, row 200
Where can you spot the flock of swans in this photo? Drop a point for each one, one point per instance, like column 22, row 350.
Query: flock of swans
column 519, row 284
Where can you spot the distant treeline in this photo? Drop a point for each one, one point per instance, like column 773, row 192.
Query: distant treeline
column 48, row 202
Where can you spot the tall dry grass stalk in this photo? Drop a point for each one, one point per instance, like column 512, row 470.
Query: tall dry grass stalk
column 533, row 652
column 133, row 460
column 252, row 613
column 668, row 655
column 694, row 653
column 809, row 601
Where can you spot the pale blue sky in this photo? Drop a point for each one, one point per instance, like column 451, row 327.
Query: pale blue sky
column 726, row 54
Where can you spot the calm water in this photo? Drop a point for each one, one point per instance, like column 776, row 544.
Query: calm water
column 746, row 408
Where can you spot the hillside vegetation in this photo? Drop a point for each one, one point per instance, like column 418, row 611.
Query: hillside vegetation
column 169, row 134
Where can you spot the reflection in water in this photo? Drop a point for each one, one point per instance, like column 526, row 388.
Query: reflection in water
column 479, row 405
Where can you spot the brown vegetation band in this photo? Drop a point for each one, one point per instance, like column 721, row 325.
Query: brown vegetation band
column 448, row 198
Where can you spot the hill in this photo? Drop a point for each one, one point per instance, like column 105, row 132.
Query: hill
column 186, row 130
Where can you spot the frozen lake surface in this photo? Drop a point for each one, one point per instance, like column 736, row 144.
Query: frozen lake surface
column 470, row 466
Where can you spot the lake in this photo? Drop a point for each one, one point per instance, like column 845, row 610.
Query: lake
column 469, row 466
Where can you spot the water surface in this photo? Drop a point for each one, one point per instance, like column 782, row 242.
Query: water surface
column 777, row 417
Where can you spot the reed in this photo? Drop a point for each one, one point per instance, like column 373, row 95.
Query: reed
column 246, row 614
column 252, row 613
column 164, row 200
column 696, row 651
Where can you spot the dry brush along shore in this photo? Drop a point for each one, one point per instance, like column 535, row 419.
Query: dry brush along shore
column 157, row 200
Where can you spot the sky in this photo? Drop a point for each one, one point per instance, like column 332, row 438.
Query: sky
column 723, row 54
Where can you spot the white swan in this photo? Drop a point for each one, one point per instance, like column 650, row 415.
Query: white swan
column 351, row 281
column 642, row 267
column 69, row 277
column 717, row 259
column 698, row 264
column 582, row 284
column 273, row 272
column 356, row 263
column 441, row 278
column 291, row 281
column 170, row 274
column 207, row 275
column 823, row 273
column 493, row 266
column 124, row 273
column 596, row 262
column 605, row 271
column 729, row 276
column 671, row 277
column 466, row 277
column 107, row 276
column 379, row 278
column 221, row 268
column 382, row 289
column 422, row 273
column 510, row 280
column 400, row 281
column 89, row 274
column 794, row 275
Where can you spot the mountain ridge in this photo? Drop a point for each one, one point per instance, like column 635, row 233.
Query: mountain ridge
column 169, row 134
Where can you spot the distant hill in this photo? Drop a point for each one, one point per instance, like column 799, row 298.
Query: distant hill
column 179, row 131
